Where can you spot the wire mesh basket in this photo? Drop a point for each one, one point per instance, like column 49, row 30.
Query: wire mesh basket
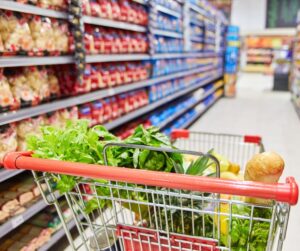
column 128, row 209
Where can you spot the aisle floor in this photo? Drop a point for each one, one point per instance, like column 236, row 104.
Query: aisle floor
column 259, row 111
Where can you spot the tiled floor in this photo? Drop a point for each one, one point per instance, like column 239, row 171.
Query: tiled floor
column 258, row 110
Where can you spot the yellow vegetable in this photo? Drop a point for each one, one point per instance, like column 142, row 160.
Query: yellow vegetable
column 224, row 163
column 224, row 219
column 234, row 168
column 229, row 176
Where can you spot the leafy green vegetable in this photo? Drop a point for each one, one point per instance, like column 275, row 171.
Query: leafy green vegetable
column 240, row 234
column 79, row 143
column 76, row 143
column 144, row 158
column 200, row 165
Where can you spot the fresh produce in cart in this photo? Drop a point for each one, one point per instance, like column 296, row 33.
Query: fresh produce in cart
column 241, row 225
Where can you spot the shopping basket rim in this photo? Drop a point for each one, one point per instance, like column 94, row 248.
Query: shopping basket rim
column 281, row 192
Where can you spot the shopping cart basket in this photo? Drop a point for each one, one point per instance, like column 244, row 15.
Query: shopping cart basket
column 137, row 210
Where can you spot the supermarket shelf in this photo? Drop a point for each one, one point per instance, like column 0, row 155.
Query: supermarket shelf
column 176, row 115
column 197, row 9
column 18, row 115
column 115, row 58
column 30, row 9
column 197, row 22
column 167, row 33
column 189, row 123
column 18, row 220
column 113, row 24
column 7, row 174
column 185, row 55
column 168, row 11
column 16, row 61
column 58, row 235
column 150, row 107
column 140, row 1
column 197, row 39
column 27, row 61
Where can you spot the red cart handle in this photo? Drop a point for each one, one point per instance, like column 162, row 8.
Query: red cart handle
column 282, row 192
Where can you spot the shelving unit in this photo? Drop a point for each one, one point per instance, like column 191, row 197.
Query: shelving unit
column 201, row 113
column 176, row 115
column 24, row 113
column 295, row 70
column 16, row 221
column 152, row 106
column 58, row 235
column 167, row 33
column 30, row 9
column 16, row 61
column 149, row 56
column 168, row 11
column 262, row 51
column 7, row 174
column 113, row 24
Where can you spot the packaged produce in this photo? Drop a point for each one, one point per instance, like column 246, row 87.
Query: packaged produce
column 97, row 112
column 53, row 84
column 42, row 34
column 8, row 139
column 23, row 93
column 61, row 37
column 27, row 127
column 122, row 10
column 52, row 4
column 84, row 112
column 6, row 96
column 37, row 79
column 15, row 33
column 100, row 40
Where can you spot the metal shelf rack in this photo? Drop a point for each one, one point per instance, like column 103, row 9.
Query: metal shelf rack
column 18, row 115
column 142, row 111
column 189, row 123
column 114, row 24
column 168, row 11
column 18, row 220
column 30, row 9
column 176, row 115
column 166, row 33
column 7, row 174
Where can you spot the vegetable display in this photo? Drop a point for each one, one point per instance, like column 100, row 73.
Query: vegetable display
column 240, row 225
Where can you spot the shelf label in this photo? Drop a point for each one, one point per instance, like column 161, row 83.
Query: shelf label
column 111, row 92
column 17, row 221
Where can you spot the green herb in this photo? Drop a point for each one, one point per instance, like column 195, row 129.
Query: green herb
column 240, row 233
column 79, row 143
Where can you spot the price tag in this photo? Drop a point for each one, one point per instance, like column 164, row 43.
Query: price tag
column 17, row 221
column 111, row 92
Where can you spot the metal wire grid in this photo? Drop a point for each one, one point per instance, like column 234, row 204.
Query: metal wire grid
column 154, row 218
column 232, row 147
column 160, row 216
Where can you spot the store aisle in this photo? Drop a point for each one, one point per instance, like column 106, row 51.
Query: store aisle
column 258, row 110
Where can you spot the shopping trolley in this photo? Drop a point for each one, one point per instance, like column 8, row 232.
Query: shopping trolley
column 133, row 210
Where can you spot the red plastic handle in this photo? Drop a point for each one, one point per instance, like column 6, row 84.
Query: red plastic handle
column 252, row 139
column 180, row 134
column 287, row 192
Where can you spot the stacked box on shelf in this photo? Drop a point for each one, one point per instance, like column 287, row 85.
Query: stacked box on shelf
column 165, row 27
column 232, row 54
column 295, row 73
